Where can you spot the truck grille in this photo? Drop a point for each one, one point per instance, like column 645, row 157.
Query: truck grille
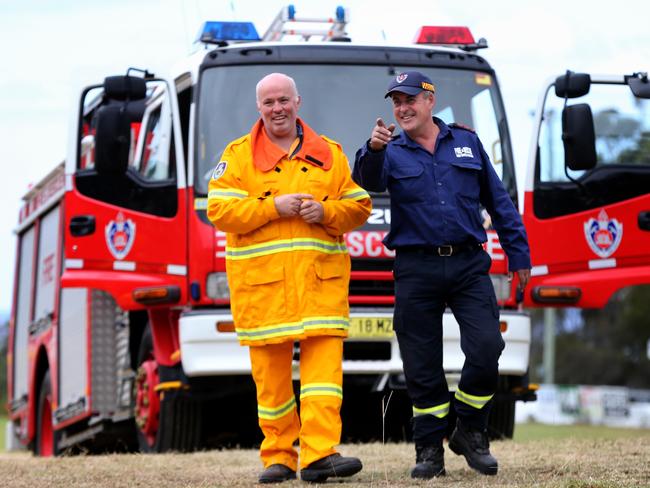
column 372, row 264
column 371, row 287
column 372, row 277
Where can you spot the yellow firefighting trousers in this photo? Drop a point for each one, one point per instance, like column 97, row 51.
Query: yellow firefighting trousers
column 321, row 395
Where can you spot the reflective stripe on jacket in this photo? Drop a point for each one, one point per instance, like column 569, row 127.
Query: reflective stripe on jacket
column 288, row 279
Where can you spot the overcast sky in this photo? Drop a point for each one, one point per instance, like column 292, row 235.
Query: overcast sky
column 49, row 50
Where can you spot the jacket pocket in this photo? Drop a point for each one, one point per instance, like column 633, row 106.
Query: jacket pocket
column 328, row 293
column 326, row 270
column 263, row 296
column 263, row 276
column 318, row 188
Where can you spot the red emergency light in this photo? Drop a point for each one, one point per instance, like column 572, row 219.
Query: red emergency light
column 434, row 34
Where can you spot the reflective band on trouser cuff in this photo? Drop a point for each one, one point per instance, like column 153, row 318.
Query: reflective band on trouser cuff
column 439, row 411
column 286, row 245
column 321, row 389
column 473, row 400
column 226, row 194
column 272, row 413
column 293, row 328
column 357, row 194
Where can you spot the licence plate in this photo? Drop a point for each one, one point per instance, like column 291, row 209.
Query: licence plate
column 371, row 327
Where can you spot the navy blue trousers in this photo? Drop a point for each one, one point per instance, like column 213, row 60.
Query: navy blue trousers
column 425, row 284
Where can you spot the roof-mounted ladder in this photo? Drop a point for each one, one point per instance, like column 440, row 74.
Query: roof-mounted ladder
column 287, row 24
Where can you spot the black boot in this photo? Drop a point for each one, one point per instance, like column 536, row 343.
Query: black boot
column 475, row 446
column 429, row 462
column 277, row 473
column 333, row 465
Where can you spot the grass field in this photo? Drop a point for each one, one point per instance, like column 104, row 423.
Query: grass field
column 545, row 456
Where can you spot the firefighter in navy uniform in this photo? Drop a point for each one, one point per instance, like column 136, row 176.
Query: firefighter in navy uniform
column 438, row 176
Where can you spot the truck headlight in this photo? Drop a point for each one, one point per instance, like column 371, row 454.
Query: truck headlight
column 216, row 286
column 501, row 286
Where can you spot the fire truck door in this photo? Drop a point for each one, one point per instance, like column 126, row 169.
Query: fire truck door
column 590, row 181
column 126, row 213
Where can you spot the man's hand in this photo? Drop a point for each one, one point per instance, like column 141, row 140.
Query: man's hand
column 289, row 205
column 312, row 211
column 524, row 277
column 381, row 135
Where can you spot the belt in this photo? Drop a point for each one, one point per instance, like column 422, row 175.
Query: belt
column 444, row 251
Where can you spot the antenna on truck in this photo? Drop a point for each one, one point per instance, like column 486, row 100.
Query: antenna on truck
column 287, row 24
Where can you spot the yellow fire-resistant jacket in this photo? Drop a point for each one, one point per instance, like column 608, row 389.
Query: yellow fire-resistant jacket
column 288, row 279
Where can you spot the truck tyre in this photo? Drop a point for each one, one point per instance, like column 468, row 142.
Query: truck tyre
column 45, row 443
column 501, row 424
column 167, row 420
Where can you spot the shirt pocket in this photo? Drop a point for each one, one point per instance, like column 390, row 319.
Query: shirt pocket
column 408, row 182
column 465, row 178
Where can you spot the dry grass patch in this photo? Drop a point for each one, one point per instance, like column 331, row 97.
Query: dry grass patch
column 587, row 463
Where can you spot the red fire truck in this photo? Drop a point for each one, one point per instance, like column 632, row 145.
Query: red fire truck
column 121, row 333
column 587, row 200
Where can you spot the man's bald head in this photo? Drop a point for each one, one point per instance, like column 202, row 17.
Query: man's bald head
column 273, row 80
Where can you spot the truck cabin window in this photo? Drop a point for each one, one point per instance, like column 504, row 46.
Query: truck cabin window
column 343, row 103
column 622, row 130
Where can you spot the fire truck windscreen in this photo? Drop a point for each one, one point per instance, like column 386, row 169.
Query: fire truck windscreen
column 343, row 103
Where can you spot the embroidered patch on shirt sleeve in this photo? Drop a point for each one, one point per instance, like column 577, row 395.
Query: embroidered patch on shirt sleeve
column 219, row 170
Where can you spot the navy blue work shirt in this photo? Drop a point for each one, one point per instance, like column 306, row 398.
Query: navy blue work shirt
column 436, row 198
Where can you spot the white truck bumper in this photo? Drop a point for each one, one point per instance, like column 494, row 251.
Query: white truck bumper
column 207, row 352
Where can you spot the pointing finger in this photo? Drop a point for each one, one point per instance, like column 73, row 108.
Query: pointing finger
column 380, row 122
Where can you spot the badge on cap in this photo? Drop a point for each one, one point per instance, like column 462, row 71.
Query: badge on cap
column 401, row 77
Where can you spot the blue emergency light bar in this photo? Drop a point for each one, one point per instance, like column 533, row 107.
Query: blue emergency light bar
column 215, row 32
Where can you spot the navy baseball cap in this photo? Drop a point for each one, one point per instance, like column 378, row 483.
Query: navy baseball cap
column 411, row 83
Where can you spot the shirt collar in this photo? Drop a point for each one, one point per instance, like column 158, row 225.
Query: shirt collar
column 311, row 148
column 403, row 139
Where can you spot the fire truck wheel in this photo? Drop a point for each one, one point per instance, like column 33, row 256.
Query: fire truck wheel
column 165, row 421
column 45, row 443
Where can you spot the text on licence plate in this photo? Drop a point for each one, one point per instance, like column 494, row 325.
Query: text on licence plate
column 371, row 327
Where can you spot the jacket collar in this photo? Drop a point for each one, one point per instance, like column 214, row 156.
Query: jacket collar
column 403, row 139
column 312, row 149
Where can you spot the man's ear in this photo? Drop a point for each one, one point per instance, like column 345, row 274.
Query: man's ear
column 298, row 100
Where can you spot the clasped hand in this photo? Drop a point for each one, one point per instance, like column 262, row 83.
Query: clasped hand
column 300, row 205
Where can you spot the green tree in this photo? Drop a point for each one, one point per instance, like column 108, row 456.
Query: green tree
column 599, row 347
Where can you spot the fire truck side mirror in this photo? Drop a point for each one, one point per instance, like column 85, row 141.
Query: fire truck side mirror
column 572, row 85
column 578, row 137
column 125, row 88
column 112, row 140
column 113, row 123
column 639, row 84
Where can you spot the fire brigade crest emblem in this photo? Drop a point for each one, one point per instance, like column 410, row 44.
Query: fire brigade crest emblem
column 120, row 235
column 401, row 78
column 603, row 234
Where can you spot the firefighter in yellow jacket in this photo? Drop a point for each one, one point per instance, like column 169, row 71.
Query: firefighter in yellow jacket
column 285, row 197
